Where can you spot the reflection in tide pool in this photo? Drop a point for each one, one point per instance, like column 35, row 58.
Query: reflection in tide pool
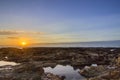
column 4, row 63
column 67, row 71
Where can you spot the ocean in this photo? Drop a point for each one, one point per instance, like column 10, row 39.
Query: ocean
column 83, row 44
column 78, row 44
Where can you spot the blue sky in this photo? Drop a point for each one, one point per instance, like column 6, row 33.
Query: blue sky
column 61, row 20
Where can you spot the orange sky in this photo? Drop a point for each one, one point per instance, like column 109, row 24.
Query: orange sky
column 15, row 38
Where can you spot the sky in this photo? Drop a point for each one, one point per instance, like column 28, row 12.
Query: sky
column 57, row 21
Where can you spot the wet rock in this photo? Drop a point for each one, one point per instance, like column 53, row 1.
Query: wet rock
column 26, row 71
column 76, row 56
column 118, row 61
column 110, row 75
column 29, row 68
column 92, row 71
column 50, row 76
column 63, row 61
column 49, row 64
column 96, row 79
column 39, row 58
column 115, row 74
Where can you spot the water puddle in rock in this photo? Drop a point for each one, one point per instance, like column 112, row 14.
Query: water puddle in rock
column 4, row 63
column 67, row 71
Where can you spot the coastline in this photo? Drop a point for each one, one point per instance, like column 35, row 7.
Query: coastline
column 76, row 57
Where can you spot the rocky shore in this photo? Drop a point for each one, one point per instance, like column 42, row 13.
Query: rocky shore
column 32, row 61
column 26, row 71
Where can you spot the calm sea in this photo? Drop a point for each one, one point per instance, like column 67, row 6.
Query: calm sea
column 80, row 44
column 84, row 44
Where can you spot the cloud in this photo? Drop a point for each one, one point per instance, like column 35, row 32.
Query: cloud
column 13, row 37
column 12, row 32
column 6, row 32
column 32, row 32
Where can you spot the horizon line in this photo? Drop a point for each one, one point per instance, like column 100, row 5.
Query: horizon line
column 62, row 43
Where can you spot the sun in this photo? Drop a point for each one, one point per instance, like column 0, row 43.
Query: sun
column 23, row 43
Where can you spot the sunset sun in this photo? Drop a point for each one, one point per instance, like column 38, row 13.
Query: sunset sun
column 23, row 43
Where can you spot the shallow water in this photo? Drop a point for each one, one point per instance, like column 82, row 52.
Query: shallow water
column 4, row 63
column 67, row 71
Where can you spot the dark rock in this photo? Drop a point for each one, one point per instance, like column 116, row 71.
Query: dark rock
column 92, row 71
column 50, row 76
column 29, row 68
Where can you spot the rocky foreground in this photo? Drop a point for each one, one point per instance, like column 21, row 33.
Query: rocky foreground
column 32, row 61
column 26, row 71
